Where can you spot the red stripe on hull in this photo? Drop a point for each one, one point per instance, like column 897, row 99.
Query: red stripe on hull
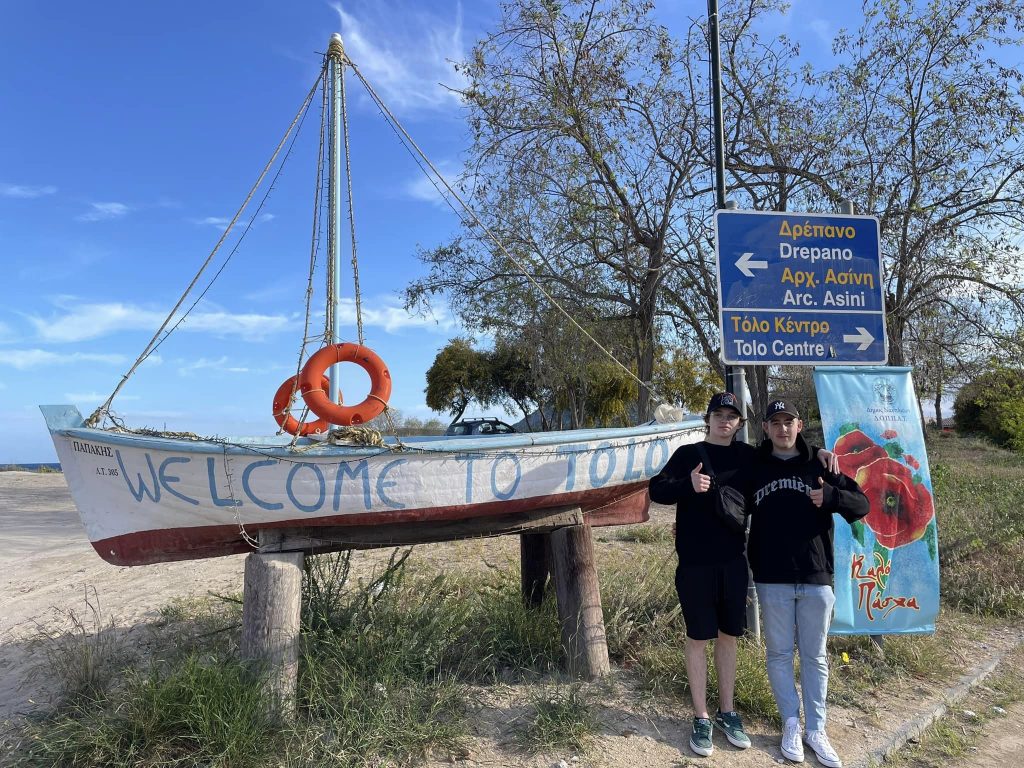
column 620, row 505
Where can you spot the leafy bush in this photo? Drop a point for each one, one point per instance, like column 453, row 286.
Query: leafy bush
column 993, row 405
column 1008, row 426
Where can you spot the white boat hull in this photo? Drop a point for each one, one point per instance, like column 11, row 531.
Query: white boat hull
column 151, row 499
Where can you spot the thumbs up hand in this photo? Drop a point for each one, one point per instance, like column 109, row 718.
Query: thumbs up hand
column 701, row 483
column 818, row 494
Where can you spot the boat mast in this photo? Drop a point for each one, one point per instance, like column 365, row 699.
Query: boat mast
column 335, row 72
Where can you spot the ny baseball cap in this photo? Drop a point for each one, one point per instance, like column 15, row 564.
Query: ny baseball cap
column 724, row 400
column 780, row 406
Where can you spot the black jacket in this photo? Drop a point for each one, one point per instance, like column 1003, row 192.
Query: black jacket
column 701, row 538
column 790, row 538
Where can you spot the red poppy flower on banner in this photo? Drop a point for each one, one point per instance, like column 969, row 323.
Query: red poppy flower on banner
column 900, row 508
column 855, row 449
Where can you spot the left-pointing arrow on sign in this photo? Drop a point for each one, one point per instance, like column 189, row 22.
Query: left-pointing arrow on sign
column 745, row 263
column 863, row 337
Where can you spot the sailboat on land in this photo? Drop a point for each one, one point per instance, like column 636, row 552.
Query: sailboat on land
column 146, row 496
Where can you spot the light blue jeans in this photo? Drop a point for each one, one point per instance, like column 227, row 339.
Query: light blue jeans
column 797, row 614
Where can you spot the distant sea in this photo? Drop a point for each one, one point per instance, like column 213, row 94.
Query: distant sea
column 55, row 467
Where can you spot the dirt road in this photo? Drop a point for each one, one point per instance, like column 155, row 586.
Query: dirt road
column 1002, row 746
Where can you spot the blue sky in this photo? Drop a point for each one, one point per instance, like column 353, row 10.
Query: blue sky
column 129, row 134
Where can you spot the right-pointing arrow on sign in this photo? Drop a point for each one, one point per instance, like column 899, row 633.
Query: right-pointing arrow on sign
column 744, row 264
column 863, row 337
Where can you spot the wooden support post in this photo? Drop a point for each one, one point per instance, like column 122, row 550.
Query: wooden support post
column 271, row 608
column 533, row 556
column 579, row 602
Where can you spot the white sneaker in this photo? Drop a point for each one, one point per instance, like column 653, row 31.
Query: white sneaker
column 819, row 743
column 792, row 748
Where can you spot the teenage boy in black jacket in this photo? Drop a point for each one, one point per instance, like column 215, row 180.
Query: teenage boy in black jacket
column 791, row 501
column 712, row 578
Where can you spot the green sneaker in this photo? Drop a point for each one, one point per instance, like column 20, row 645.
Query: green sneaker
column 700, row 739
column 732, row 727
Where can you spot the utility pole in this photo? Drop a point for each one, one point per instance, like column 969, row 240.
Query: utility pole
column 735, row 376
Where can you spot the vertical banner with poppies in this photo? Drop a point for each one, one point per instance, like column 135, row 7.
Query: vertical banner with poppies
column 887, row 565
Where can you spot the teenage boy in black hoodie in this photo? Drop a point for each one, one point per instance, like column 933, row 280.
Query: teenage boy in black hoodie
column 791, row 501
column 712, row 578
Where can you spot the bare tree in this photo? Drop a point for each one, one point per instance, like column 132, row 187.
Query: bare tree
column 931, row 124
column 591, row 163
column 583, row 145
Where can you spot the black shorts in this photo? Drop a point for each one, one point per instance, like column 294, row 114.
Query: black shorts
column 713, row 598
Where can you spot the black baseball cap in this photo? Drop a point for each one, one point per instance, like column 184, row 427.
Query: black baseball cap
column 780, row 406
column 724, row 400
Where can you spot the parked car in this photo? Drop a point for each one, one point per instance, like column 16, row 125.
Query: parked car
column 479, row 427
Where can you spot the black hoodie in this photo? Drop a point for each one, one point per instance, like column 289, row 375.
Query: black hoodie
column 790, row 538
column 701, row 538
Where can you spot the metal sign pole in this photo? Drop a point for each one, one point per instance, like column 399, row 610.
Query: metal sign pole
column 735, row 377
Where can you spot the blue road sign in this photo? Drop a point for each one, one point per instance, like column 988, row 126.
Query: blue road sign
column 800, row 289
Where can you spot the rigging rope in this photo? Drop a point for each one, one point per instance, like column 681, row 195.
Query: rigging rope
column 351, row 204
column 471, row 218
column 467, row 215
column 155, row 341
column 314, row 248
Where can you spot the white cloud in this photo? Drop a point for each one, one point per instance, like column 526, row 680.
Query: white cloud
column 823, row 30
column 80, row 322
column 94, row 397
column 422, row 188
column 247, row 325
column 386, row 312
column 283, row 290
column 221, row 222
column 91, row 321
column 25, row 191
column 24, row 359
column 406, row 55
column 74, row 321
column 203, row 363
column 104, row 212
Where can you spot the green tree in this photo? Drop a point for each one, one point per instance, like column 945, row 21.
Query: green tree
column 458, row 376
column 514, row 381
column 684, row 379
column 918, row 124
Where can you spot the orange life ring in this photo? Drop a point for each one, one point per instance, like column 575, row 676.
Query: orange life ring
column 319, row 401
column 283, row 416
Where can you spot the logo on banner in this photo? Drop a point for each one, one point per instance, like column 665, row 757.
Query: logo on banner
column 885, row 392
column 884, row 407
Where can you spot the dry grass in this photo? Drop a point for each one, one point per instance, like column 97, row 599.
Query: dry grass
column 389, row 662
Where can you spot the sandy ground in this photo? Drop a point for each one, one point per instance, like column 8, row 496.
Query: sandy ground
column 48, row 568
